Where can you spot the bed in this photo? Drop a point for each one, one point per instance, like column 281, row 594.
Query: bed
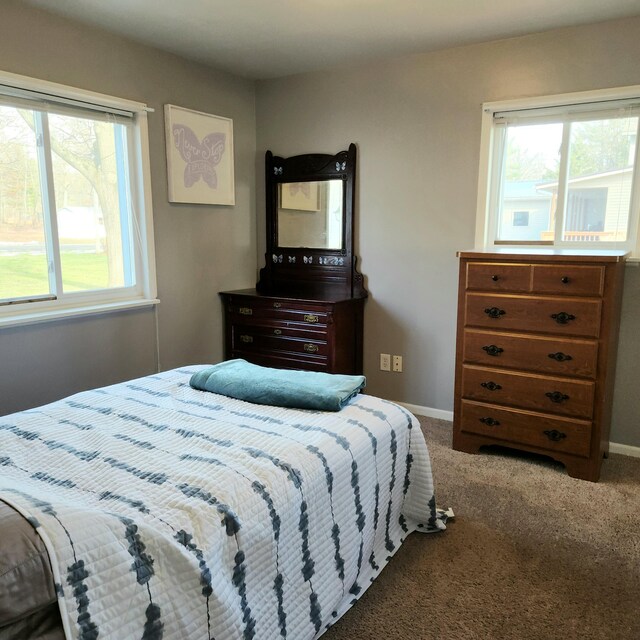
column 169, row 512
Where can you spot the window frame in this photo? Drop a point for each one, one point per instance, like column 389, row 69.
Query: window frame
column 486, row 209
column 144, row 291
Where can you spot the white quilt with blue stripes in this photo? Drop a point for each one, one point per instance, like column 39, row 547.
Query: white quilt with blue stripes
column 181, row 514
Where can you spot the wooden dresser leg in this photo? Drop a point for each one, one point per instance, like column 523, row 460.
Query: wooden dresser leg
column 583, row 469
column 465, row 442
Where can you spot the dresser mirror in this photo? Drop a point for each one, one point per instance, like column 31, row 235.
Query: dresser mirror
column 310, row 221
column 311, row 214
column 307, row 308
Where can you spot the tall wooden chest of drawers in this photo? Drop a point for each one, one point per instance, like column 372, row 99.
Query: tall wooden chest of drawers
column 536, row 349
column 313, row 333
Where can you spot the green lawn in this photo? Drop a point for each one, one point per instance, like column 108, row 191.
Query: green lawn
column 26, row 275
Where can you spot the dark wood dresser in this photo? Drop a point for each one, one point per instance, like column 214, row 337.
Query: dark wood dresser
column 306, row 311
column 298, row 333
column 536, row 349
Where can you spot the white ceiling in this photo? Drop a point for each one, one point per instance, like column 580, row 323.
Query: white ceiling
column 271, row 38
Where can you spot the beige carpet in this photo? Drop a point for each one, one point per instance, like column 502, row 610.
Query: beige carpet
column 531, row 554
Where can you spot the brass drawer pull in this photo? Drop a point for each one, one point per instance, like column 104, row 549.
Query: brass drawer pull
column 493, row 350
column 555, row 435
column 310, row 348
column 310, row 317
column 560, row 357
column 494, row 312
column 565, row 280
column 495, row 278
column 246, row 339
column 277, row 332
column 245, row 311
column 563, row 317
column 556, row 396
column 491, row 422
column 492, row 386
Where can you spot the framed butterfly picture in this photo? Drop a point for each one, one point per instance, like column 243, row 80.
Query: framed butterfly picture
column 199, row 157
column 302, row 196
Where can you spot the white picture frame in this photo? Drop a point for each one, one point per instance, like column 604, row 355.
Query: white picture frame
column 199, row 157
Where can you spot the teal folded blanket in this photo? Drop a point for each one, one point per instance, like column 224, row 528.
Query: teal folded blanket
column 278, row 387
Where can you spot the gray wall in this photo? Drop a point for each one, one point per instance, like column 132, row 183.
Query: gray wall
column 199, row 249
column 416, row 121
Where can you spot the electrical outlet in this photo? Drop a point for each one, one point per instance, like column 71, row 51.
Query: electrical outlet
column 385, row 362
column 397, row 363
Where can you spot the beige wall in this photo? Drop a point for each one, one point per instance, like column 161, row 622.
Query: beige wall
column 416, row 121
column 199, row 250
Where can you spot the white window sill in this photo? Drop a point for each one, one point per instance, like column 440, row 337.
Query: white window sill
column 34, row 317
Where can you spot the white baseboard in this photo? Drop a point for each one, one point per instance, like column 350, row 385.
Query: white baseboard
column 439, row 414
column 624, row 449
column 428, row 412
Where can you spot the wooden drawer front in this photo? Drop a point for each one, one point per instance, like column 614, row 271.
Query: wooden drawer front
column 301, row 316
column 283, row 330
column 284, row 310
column 257, row 338
column 554, row 356
column 528, row 428
column 489, row 276
column 560, row 396
column 571, row 280
column 283, row 361
column 574, row 316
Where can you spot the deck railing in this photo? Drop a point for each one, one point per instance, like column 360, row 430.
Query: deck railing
column 587, row 236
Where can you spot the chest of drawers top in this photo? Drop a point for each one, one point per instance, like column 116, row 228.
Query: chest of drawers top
column 564, row 273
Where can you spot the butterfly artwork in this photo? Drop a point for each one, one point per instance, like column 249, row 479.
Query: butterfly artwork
column 303, row 187
column 199, row 157
column 302, row 196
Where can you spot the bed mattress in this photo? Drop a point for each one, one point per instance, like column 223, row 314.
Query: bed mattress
column 168, row 512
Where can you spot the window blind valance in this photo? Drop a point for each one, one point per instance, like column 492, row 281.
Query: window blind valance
column 52, row 97
column 575, row 112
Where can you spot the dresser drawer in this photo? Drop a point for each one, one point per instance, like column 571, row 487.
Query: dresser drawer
column 283, row 360
column 302, row 313
column 526, row 427
column 570, row 316
column 553, row 356
column 498, row 277
column 279, row 329
column 249, row 338
column 562, row 396
column 571, row 280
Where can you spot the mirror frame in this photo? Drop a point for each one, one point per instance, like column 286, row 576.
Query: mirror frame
column 300, row 271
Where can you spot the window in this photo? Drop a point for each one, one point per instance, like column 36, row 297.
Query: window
column 561, row 171
column 520, row 218
column 75, row 223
